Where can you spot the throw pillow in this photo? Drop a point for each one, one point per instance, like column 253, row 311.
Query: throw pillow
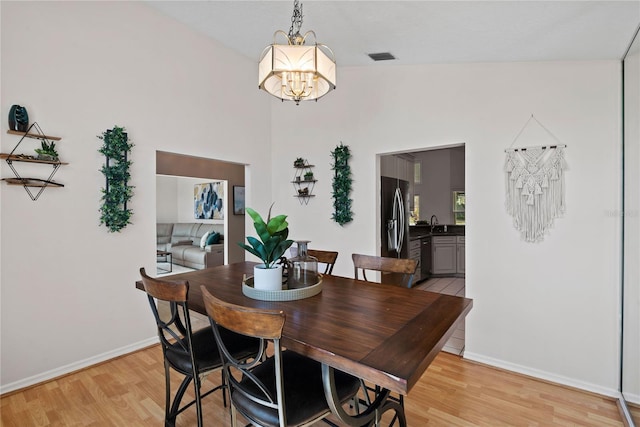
column 203, row 240
column 214, row 238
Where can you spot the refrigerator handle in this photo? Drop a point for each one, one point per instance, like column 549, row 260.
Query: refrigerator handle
column 400, row 221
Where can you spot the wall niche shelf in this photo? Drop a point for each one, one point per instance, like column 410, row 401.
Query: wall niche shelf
column 34, row 132
column 303, row 182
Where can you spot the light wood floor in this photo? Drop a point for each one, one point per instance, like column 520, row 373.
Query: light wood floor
column 129, row 391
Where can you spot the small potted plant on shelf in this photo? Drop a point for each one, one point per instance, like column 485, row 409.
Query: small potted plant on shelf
column 47, row 151
column 308, row 176
column 298, row 163
column 271, row 245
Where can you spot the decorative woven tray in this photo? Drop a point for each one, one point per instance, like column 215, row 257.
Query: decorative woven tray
column 283, row 295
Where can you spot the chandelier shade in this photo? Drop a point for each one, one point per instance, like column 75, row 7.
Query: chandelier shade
column 295, row 71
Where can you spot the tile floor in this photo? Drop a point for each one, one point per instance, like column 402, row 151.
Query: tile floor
column 450, row 286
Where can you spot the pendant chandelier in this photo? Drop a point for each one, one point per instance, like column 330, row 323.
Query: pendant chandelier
column 294, row 71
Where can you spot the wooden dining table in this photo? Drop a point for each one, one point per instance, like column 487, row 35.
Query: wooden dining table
column 383, row 334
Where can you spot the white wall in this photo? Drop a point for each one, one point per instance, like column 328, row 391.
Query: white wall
column 442, row 173
column 548, row 309
column 67, row 285
column 167, row 199
column 175, row 199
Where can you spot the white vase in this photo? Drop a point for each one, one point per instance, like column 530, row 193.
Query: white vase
column 268, row 279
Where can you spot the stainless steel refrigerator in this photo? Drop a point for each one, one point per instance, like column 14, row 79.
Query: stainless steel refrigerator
column 394, row 218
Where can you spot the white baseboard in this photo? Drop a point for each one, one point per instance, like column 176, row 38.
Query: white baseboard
column 72, row 367
column 632, row 398
column 543, row 375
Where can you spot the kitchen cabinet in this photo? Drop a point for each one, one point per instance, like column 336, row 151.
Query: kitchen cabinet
column 460, row 255
column 415, row 254
column 444, row 254
column 448, row 255
column 425, row 254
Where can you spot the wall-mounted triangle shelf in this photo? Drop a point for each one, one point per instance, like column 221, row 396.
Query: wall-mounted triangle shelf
column 34, row 132
column 303, row 181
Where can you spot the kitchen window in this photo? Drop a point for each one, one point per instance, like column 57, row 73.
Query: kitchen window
column 459, row 202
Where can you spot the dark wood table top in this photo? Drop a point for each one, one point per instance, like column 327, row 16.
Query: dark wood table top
column 385, row 334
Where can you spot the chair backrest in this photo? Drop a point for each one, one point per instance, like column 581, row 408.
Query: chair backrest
column 326, row 257
column 263, row 324
column 404, row 268
column 177, row 328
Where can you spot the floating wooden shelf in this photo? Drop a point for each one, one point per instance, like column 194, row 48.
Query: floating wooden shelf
column 32, row 182
column 33, row 135
column 22, row 158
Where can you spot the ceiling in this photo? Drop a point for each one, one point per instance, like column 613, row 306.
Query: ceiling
column 424, row 32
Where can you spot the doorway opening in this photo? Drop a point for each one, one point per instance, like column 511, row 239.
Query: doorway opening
column 435, row 204
column 178, row 174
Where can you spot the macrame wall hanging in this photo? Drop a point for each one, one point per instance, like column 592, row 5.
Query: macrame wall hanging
column 535, row 191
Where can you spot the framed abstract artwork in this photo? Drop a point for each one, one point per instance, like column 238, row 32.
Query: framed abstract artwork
column 238, row 200
column 209, row 200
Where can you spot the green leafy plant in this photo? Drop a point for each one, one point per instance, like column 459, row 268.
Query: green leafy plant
column 308, row 176
column 299, row 162
column 273, row 237
column 114, row 213
column 341, row 185
column 47, row 150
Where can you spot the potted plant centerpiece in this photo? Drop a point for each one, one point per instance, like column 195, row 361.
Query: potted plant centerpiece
column 271, row 245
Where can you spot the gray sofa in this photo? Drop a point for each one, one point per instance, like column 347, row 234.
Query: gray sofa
column 182, row 239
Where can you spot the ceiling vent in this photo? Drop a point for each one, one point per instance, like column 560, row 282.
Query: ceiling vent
column 382, row 56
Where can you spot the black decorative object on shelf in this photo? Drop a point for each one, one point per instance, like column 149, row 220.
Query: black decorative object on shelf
column 18, row 118
column 341, row 185
column 114, row 213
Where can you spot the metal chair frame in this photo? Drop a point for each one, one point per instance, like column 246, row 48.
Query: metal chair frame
column 266, row 325
column 176, row 334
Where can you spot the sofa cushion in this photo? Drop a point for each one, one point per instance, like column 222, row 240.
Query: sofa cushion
column 203, row 239
column 184, row 231
column 213, row 239
column 163, row 235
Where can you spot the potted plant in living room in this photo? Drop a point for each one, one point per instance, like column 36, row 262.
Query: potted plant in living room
column 270, row 246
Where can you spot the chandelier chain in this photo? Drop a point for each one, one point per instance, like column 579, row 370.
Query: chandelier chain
column 296, row 22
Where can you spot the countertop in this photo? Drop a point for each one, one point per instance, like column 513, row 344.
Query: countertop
column 421, row 231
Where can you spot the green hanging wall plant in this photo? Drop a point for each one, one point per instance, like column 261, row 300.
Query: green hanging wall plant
column 114, row 213
column 341, row 185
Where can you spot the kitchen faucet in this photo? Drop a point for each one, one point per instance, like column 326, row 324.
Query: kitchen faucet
column 433, row 223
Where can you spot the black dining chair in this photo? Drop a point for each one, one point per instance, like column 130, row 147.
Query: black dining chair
column 192, row 354
column 283, row 390
column 328, row 258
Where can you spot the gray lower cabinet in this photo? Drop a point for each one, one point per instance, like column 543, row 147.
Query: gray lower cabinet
column 444, row 259
column 448, row 255
column 414, row 253
column 460, row 255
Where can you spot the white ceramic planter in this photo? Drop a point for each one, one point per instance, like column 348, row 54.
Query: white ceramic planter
column 268, row 279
